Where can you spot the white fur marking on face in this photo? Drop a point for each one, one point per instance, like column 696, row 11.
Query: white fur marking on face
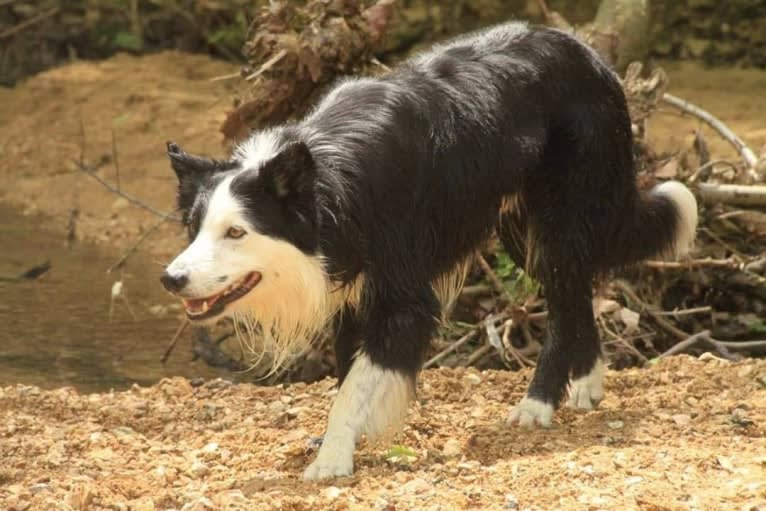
column 372, row 401
column 686, row 205
column 288, row 307
column 260, row 147
column 531, row 411
column 587, row 391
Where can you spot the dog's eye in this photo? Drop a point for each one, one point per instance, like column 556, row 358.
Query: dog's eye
column 235, row 232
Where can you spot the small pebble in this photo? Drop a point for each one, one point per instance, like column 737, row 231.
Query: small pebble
column 197, row 382
column 331, row 492
column 39, row 488
column 615, row 424
column 452, row 447
column 511, row 502
column 199, row 469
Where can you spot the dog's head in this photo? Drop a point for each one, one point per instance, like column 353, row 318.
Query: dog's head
column 253, row 231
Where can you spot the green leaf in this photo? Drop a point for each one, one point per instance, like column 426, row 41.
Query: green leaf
column 128, row 41
column 400, row 452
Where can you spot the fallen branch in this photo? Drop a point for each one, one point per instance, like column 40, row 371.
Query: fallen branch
column 28, row 23
column 740, row 195
column 133, row 200
column 686, row 312
column 174, row 340
column 508, row 346
column 124, row 257
column 721, row 347
column 452, row 347
column 625, row 289
column 693, row 263
column 478, row 355
column 747, row 154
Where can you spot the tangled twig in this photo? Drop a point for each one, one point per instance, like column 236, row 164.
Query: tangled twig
column 722, row 347
column 747, row 154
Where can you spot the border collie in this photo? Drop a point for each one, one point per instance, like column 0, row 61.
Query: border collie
column 367, row 212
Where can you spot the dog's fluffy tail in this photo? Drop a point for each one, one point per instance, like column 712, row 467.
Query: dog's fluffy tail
column 662, row 222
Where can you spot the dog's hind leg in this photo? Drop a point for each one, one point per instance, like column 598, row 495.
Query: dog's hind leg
column 396, row 327
column 560, row 257
column 586, row 389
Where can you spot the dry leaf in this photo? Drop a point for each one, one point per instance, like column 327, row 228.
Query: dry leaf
column 669, row 170
column 630, row 318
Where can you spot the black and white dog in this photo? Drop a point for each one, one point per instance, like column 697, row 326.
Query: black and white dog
column 368, row 211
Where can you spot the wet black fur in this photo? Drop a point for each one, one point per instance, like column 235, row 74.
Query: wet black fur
column 400, row 178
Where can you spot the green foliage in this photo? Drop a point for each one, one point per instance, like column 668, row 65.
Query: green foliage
column 128, row 41
column 519, row 285
column 231, row 36
column 400, row 453
column 758, row 327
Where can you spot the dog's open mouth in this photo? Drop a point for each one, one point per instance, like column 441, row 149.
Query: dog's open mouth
column 202, row 308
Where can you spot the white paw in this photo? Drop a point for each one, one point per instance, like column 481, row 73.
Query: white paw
column 586, row 393
column 531, row 411
column 334, row 459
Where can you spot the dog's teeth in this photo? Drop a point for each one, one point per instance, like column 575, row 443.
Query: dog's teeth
column 205, row 307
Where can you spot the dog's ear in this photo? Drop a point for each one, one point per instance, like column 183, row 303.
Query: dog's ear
column 291, row 174
column 192, row 171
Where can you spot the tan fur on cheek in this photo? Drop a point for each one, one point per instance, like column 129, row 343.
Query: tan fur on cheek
column 288, row 308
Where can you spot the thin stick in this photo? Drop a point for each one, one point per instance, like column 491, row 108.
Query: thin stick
column 509, row 347
column 231, row 76
column 28, row 23
column 618, row 339
column 721, row 346
column 119, row 262
column 703, row 168
column 478, row 355
column 267, row 65
column 452, row 347
column 381, row 65
column 174, row 340
column 476, row 290
column 133, row 200
column 747, row 154
column 625, row 288
column 693, row 263
column 115, row 160
column 493, row 278
column 686, row 312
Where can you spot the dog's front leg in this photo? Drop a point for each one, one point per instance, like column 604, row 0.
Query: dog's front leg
column 371, row 401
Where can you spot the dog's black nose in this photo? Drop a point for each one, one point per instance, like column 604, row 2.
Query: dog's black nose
column 174, row 283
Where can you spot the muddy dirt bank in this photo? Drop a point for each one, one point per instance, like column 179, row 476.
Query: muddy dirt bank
column 682, row 434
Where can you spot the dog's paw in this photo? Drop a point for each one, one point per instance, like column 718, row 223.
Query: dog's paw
column 334, row 459
column 327, row 468
column 531, row 411
column 586, row 393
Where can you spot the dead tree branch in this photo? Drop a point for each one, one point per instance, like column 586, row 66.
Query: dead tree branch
column 747, row 154
column 739, row 195
column 28, row 23
column 724, row 348
column 130, row 198
column 452, row 347
column 631, row 295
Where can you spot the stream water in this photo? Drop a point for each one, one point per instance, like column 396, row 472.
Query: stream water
column 56, row 330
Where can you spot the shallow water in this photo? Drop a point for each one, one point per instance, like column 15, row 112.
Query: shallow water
column 56, row 330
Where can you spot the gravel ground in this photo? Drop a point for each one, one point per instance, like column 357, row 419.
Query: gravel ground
column 684, row 433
